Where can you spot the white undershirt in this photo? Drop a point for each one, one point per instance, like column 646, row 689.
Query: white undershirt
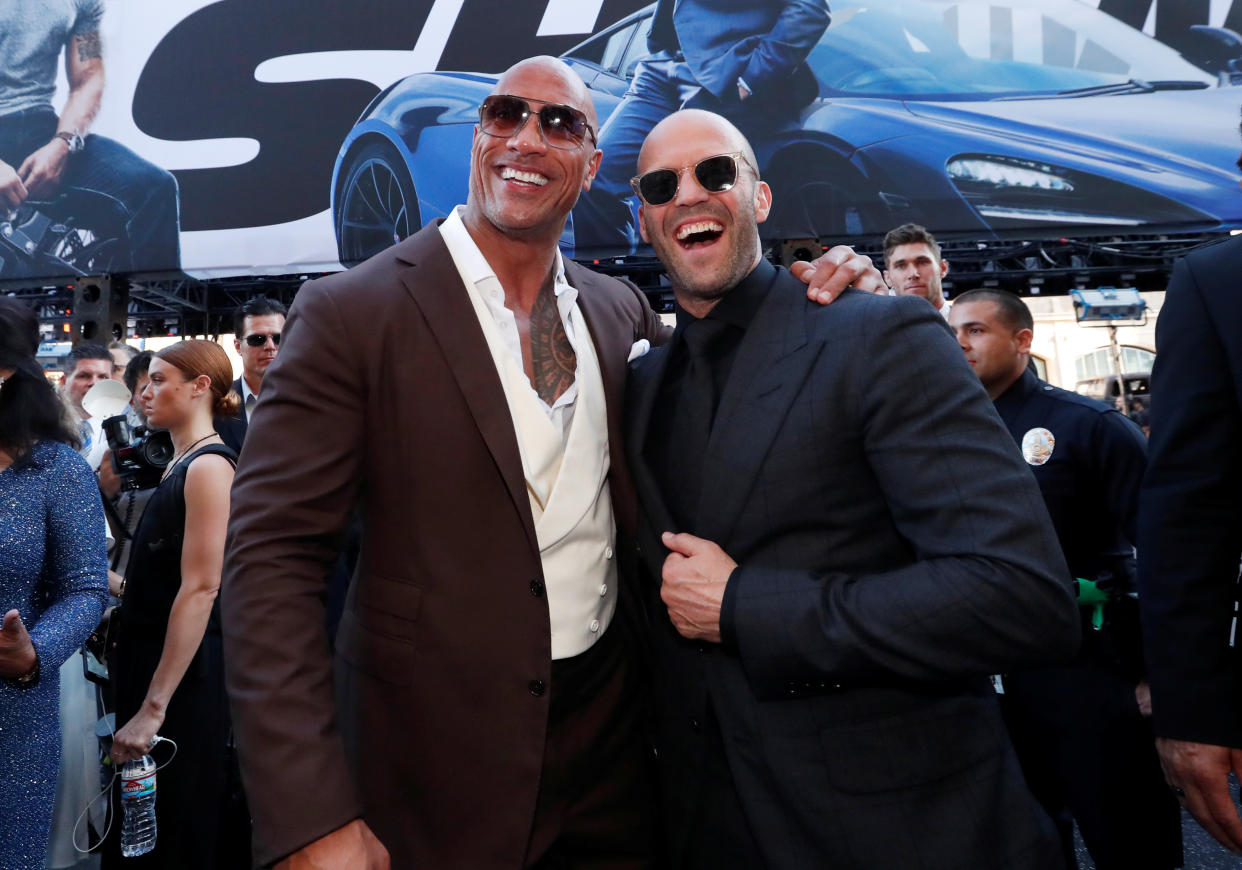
column 247, row 405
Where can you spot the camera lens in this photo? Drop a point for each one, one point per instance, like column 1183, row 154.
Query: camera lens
column 158, row 449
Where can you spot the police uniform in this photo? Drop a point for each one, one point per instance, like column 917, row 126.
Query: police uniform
column 1085, row 748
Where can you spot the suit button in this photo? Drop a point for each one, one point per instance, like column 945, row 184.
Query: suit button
column 608, row 552
column 603, row 589
column 594, row 626
column 694, row 726
column 537, row 687
column 537, row 588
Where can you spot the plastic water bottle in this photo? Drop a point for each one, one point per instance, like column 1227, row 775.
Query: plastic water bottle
column 138, row 799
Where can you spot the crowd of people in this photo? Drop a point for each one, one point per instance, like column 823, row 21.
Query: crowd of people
column 817, row 577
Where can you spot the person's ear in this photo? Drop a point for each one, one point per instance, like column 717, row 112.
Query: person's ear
column 763, row 201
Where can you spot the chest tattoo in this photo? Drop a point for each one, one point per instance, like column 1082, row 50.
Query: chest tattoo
column 552, row 357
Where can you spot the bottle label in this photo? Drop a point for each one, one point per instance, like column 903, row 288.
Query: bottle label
column 139, row 787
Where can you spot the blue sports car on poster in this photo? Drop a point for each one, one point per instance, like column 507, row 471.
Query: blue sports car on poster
column 984, row 119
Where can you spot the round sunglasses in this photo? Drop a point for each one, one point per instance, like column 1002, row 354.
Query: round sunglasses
column 714, row 174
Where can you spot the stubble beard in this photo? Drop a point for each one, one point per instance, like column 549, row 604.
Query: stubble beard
column 711, row 286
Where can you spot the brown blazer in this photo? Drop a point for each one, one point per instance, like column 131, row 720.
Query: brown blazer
column 432, row 725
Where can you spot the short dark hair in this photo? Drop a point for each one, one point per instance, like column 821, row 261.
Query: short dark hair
column 84, row 350
column 909, row 234
column 259, row 306
column 136, row 368
column 1013, row 311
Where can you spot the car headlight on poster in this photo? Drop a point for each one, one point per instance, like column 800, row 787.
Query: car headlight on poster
column 1014, row 191
column 1001, row 173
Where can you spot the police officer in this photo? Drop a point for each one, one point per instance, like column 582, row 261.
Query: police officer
column 1080, row 729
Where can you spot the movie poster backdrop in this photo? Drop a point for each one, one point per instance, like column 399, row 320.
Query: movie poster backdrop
column 245, row 137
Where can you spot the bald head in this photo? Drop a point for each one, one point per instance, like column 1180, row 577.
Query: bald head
column 542, row 73
column 690, row 125
column 522, row 185
column 707, row 237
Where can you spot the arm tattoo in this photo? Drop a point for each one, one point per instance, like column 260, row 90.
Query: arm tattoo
column 552, row 356
column 89, row 46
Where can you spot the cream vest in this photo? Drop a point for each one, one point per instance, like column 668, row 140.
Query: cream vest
column 567, row 482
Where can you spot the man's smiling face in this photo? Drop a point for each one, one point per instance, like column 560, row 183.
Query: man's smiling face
column 707, row 241
column 522, row 185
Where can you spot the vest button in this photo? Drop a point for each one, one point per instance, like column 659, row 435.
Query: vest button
column 594, row 626
column 537, row 588
column 537, row 687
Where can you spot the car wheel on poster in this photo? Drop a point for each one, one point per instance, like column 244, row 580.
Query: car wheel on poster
column 378, row 205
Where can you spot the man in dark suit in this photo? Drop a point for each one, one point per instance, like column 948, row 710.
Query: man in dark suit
column 257, row 326
column 1190, row 536
column 741, row 58
column 857, row 548
column 483, row 712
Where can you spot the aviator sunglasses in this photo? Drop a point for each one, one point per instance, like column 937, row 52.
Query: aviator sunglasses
column 564, row 127
column 714, row 174
column 258, row 339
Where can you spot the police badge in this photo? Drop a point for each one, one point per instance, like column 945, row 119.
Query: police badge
column 1037, row 446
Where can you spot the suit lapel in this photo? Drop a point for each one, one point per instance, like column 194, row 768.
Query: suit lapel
column 767, row 375
column 646, row 376
column 242, row 420
column 435, row 285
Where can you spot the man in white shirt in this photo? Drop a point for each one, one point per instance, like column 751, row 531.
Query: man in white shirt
column 913, row 266
column 86, row 365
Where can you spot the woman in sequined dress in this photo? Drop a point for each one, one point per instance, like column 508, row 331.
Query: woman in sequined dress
column 53, row 583
column 169, row 661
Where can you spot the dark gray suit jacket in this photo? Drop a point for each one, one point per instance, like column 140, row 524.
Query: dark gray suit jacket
column 893, row 552
column 1190, row 512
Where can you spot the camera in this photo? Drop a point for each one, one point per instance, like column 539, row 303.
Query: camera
column 139, row 454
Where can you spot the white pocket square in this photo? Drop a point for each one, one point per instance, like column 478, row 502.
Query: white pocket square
column 639, row 348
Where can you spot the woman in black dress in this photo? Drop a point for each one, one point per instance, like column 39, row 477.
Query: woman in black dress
column 169, row 673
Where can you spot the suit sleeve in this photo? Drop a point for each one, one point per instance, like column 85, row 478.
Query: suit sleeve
column 1190, row 518
column 296, row 481
column 773, row 56
column 988, row 589
column 650, row 326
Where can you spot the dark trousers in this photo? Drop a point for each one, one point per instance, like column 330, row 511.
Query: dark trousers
column 1090, row 757
column 719, row 834
column 598, row 805
column 146, row 195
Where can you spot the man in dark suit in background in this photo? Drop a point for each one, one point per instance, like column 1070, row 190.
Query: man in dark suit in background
column 1190, row 536
column 858, row 547
column 257, row 325
column 745, row 59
